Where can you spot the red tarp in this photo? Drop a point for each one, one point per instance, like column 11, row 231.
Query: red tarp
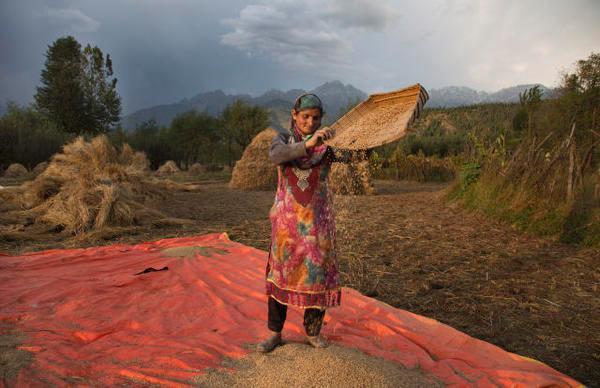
column 89, row 319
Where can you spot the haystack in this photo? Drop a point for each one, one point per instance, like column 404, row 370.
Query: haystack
column 40, row 168
column 168, row 168
column 91, row 186
column 255, row 171
column 197, row 169
column 15, row 170
column 351, row 178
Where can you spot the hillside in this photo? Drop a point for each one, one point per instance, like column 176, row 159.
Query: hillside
column 335, row 96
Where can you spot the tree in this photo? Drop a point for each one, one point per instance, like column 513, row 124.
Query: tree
column 241, row 123
column 27, row 137
column 103, row 104
column 77, row 90
column 530, row 100
column 194, row 136
column 61, row 97
column 580, row 91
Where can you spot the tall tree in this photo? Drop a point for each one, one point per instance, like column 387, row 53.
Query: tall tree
column 530, row 100
column 241, row 123
column 61, row 96
column 78, row 90
column 103, row 104
column 194, row 135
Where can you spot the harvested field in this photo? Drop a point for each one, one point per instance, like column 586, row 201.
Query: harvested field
column 88, row 188
column 407, row 247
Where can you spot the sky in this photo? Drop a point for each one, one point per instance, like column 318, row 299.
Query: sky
column 167, row 50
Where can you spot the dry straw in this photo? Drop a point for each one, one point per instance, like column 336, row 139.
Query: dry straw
column 88, row 187
column 168, row 168
column 40, row 168
column 196, row 169
column 255, row 171
column 15, row 170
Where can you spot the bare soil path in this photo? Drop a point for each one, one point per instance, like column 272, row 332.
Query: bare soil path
column 410, row 248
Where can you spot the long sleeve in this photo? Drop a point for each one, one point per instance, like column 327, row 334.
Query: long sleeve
column 281, row 152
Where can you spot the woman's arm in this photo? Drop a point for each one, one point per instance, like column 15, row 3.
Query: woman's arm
column 280, row 151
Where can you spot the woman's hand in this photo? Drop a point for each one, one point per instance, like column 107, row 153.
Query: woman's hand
column 319, row 136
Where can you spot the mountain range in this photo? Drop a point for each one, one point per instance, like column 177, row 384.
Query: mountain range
column 335, row 96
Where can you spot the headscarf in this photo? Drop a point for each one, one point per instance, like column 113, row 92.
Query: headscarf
column 315, row 154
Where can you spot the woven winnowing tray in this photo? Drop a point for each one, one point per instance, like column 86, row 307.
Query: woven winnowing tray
column 381, row 119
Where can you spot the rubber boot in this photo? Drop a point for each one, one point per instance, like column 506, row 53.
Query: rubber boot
column 317, row 341
column 269, row 344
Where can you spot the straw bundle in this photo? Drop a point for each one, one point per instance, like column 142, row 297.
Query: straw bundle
column 381, row 119
column 91, row 186
column 40, row 168
column 255, row 171
column 168, row 168
column 197, row 169
column 15, row 170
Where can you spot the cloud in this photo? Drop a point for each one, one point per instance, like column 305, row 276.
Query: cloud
column 73, row 18
column 519, row 67
column 360, row 13
column 311, row 34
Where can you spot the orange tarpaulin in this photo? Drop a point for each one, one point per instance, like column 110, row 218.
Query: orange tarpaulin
column 89, row 319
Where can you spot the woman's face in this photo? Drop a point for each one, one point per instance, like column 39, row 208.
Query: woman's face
column 308, row 120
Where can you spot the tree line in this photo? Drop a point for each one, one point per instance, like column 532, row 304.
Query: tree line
column 77, row 96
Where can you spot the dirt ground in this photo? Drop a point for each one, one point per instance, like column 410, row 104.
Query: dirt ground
column 408, row 247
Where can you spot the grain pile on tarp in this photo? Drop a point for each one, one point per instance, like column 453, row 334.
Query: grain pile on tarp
column 40, row 168
column 255, row 171
column 168, row 168
column 89, row 319
column 90, row 186
column 197, row 169
column 352, row 178
column 15, row 170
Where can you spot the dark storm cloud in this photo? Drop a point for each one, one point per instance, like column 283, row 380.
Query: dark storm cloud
column 162, row 51
column 165, row 50
column 74, row 18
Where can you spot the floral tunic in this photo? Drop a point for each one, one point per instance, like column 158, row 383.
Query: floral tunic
column 302, row 268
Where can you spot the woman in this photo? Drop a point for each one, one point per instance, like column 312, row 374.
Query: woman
column 302, row 268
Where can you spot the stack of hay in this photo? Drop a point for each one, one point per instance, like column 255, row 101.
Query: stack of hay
column 352, row 178
column 90, row 186
column 196, row 169
column 15, row 170
column 40, row 168
column 168, row 168
column 255, row 171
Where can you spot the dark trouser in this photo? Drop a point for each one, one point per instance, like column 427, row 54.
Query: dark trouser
column 313, row 318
